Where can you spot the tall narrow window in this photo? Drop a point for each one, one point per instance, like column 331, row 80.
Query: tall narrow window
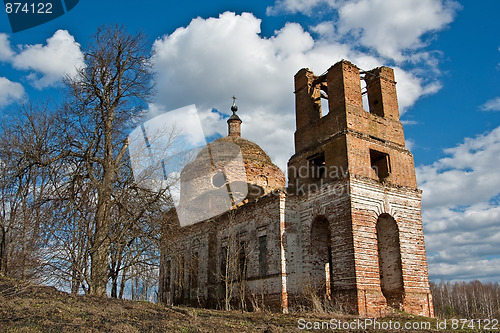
column 179, row 286
column 263, row 256
column 195, row 269
column 321, row 258
column 328, row 274
column 242, row 260
column 325, row 108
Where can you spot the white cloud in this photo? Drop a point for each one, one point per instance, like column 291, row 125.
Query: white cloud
column 5, row 50
column 211, row 59
column 392, row 26
column 461, row 211
column 388, row 26
column 469, row 176
column 292, row 40
column 463, row 244
column 491, row 105
column 410, row 88
column 10, row 91
column 326, row 30
column 467, row 270
column 51, row 62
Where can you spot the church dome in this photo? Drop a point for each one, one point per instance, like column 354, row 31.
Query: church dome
column 260, row 170
column 231, row 160
column 227, row 173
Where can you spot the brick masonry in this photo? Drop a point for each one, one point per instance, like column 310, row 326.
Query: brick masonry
column 347, row 228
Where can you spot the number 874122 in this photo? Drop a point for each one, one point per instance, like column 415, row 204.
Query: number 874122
column 32, row 8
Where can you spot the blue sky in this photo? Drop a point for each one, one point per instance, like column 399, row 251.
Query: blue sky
column 447, row 60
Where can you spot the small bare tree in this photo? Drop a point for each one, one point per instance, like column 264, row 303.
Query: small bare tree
column 234, row 261
column 25, row 152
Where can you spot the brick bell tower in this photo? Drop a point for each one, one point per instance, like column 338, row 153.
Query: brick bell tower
column 356, row 183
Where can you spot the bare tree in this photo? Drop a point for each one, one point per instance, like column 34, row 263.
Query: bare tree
column 135, row 235
column 37, row 201
column 71, row 170
column 25, row 150
column 71, row 209
column 104, row 97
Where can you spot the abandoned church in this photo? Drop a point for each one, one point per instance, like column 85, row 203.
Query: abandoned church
column 346, row 229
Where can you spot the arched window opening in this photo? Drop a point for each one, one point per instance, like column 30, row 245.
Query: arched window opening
column 321, row 257
column 389, row 258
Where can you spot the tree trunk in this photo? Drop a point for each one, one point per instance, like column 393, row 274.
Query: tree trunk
column 114, row 285
column 99, row 264
column 122, row 283
column 75, row 283
column 3, row 250
column 115, row 273
column 99, row 252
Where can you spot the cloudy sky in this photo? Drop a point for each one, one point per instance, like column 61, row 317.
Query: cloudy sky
column 446, row 55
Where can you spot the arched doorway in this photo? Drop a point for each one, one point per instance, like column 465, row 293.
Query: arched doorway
column 321, row 256
column 389, row 258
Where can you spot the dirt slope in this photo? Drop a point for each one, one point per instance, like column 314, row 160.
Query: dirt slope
column 29, row 308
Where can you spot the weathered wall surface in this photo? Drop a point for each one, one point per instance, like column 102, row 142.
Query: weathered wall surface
column 206, row 242
column 330, row 204
column 370, row 200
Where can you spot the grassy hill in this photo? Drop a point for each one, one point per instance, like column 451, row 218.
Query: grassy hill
column 30, row 308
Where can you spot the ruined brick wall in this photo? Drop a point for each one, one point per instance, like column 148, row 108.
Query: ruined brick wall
column 207, row 239
column 347, row 132
column 400, row 161
column 377, row 255
column 370, row 201
column 305, row 268
column 352, row 209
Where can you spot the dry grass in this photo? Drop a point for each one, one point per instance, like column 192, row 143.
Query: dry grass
column 30, row 308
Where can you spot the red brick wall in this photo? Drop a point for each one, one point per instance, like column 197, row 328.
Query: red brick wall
column 345, row 136
column 381, row 89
